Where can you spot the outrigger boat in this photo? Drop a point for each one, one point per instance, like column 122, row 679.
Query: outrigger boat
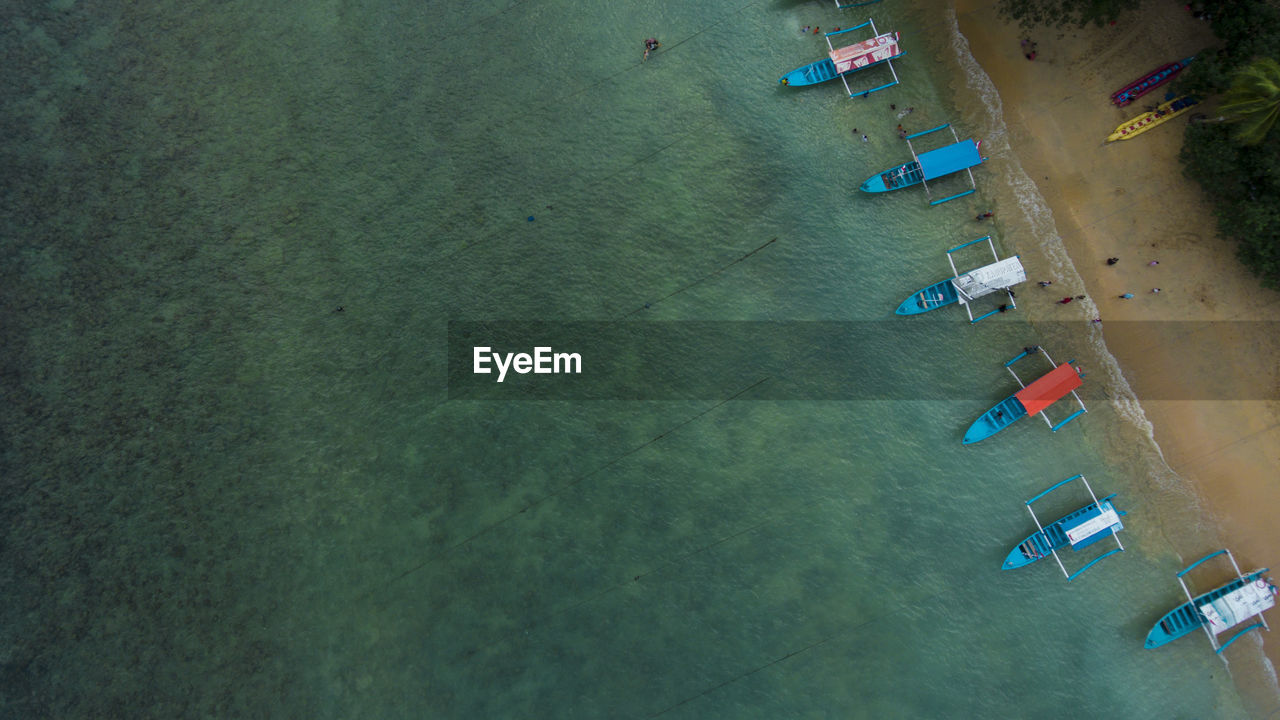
column 1148, row 120
column 1078, row 529
column 1236, row 602
column 934, row 164
column 846, row 6
column 1149, row 82
column 963, row 289
column 849, row 59
column 1030, row 400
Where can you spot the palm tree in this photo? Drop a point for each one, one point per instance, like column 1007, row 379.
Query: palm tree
column 1254, row 100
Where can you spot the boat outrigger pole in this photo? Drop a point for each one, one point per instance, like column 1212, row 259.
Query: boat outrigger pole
column 889, row 62
column 1087, row 526
column 1042, row 414
column 1213, row 640
column 972, row 182
column 1001, row 275
column 978, row 282
column 1032, row 399
column 846, row 6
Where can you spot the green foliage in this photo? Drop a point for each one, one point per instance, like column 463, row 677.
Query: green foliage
column 1247, row 28
column 1055, row 13
column 1243, row 182
column 1244, row 185
column 1254, row 100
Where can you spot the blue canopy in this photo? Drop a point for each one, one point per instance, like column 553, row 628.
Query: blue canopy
column 949, row 159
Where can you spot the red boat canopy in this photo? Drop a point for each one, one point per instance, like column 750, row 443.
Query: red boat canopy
column 867, row 52
column 1049, row 389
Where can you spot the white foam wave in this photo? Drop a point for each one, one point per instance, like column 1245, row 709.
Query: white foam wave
column 1044, row 231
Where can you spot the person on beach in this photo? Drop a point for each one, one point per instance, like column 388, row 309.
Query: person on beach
column 1045, row 283
column 1065, row 300
column 1153, row 263
column 864, row 138
column 1127, row 296
column 1003, row 308
column 893, row 107
column 1097, row 320
column 1112, row 261
column 1155, row 290
column 1079, row 297
column 902, row 133
column 804, row 30
column 815, row 29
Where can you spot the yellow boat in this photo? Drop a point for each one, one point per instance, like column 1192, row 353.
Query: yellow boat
column 1148, row 120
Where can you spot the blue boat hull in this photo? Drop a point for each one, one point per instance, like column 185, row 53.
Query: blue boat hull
column 1004, row 414
column 822, row 71
column 1038, row 544
column 894, row 178
column 811, row 74
column 939, row 294
column 1186, row 617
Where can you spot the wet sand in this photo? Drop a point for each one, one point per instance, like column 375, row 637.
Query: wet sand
column 1131, row 200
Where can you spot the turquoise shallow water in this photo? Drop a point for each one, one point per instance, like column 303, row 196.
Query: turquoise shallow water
column 224, row 498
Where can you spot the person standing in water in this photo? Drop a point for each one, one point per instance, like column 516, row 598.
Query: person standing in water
column 650, row 45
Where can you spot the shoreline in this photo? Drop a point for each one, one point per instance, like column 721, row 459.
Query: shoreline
column 1131, row 200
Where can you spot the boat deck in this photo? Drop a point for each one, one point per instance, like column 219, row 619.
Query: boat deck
column 935, row 296
column 1186, row 617
column 1039, row 544
column 996, row 419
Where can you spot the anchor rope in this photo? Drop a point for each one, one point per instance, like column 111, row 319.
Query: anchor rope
column 577, row 480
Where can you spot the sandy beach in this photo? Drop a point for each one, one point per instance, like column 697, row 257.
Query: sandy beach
column 1130, row 200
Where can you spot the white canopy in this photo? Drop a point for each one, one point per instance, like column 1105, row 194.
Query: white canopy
column 1093, row 525
column 1238, row 605
column 986, row 280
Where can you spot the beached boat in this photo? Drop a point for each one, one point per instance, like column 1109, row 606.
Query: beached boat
column 1030, row 400
column 1148, row 120
column 1149, row 82
column 880, row 48
column 1078, row 529
column 963, row 289
column 1239, row 600
column 961, row 155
